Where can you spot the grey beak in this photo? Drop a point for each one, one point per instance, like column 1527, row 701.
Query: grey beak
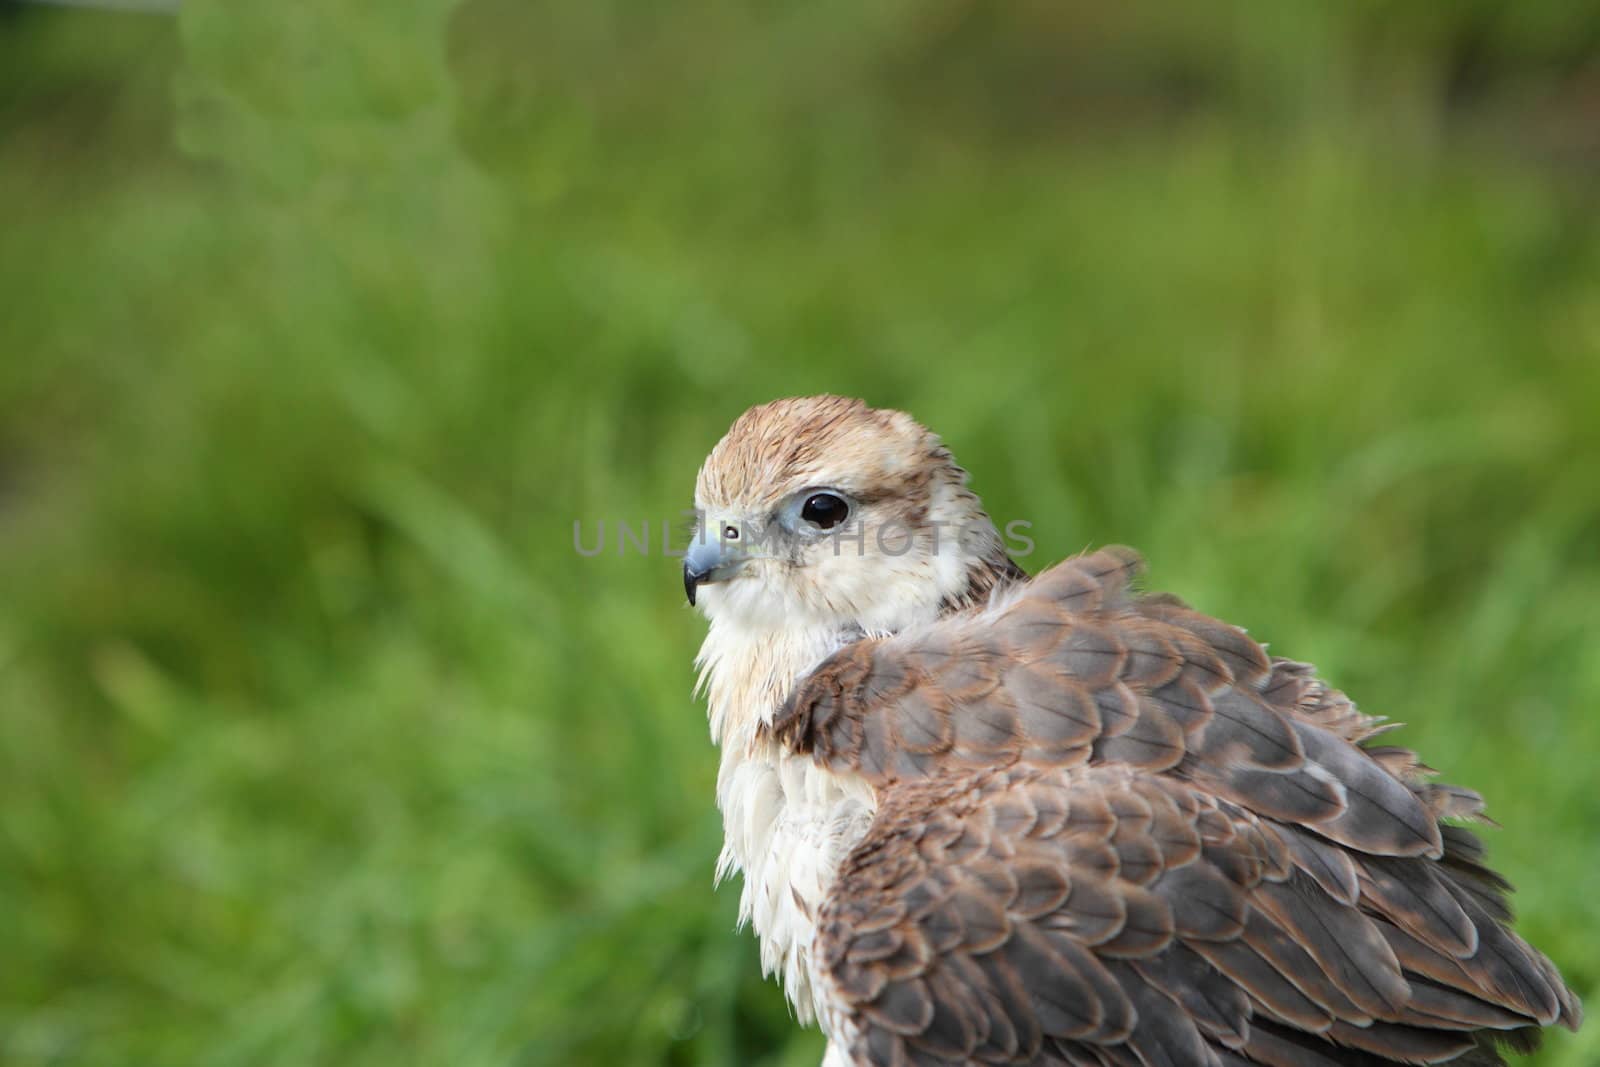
column 705, row 561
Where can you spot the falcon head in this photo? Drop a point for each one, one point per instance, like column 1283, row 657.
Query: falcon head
column 822, row 511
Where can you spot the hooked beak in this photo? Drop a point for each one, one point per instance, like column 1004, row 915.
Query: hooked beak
column 708, row 561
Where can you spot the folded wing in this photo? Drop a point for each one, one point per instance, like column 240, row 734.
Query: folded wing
column 1114, row 831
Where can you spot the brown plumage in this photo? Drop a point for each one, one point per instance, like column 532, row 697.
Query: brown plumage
column 1108, row 830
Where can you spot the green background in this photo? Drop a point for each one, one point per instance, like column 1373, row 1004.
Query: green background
column 321, row 324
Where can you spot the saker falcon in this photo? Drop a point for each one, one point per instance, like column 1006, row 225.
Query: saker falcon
column 984, row 818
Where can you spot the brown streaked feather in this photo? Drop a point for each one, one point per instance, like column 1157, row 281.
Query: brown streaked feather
column 1344, row 944
column 1331, row 867
column 1111, row 829
column 1297, row 959
column 1414, row 897
column 1219, row 1009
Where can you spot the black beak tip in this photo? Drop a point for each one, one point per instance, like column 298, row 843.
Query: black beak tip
column 691, row 582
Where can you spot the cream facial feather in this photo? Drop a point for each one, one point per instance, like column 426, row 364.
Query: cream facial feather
column 914, row 534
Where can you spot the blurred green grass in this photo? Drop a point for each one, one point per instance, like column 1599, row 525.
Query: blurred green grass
column 321, row 743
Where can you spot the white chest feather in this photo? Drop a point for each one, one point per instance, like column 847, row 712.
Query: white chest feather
column 788, row 823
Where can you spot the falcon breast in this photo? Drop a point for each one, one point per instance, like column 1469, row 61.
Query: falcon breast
column 983, row 818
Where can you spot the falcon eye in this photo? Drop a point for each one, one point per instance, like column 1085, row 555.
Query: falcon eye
column 730, row 532
column 824, row 510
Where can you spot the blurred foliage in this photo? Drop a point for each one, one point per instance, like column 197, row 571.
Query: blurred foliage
column 323, row 323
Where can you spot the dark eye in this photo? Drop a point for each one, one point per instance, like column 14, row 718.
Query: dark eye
column 824, row 510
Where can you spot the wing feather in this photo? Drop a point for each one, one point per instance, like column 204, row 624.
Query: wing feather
column 1113, row 831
